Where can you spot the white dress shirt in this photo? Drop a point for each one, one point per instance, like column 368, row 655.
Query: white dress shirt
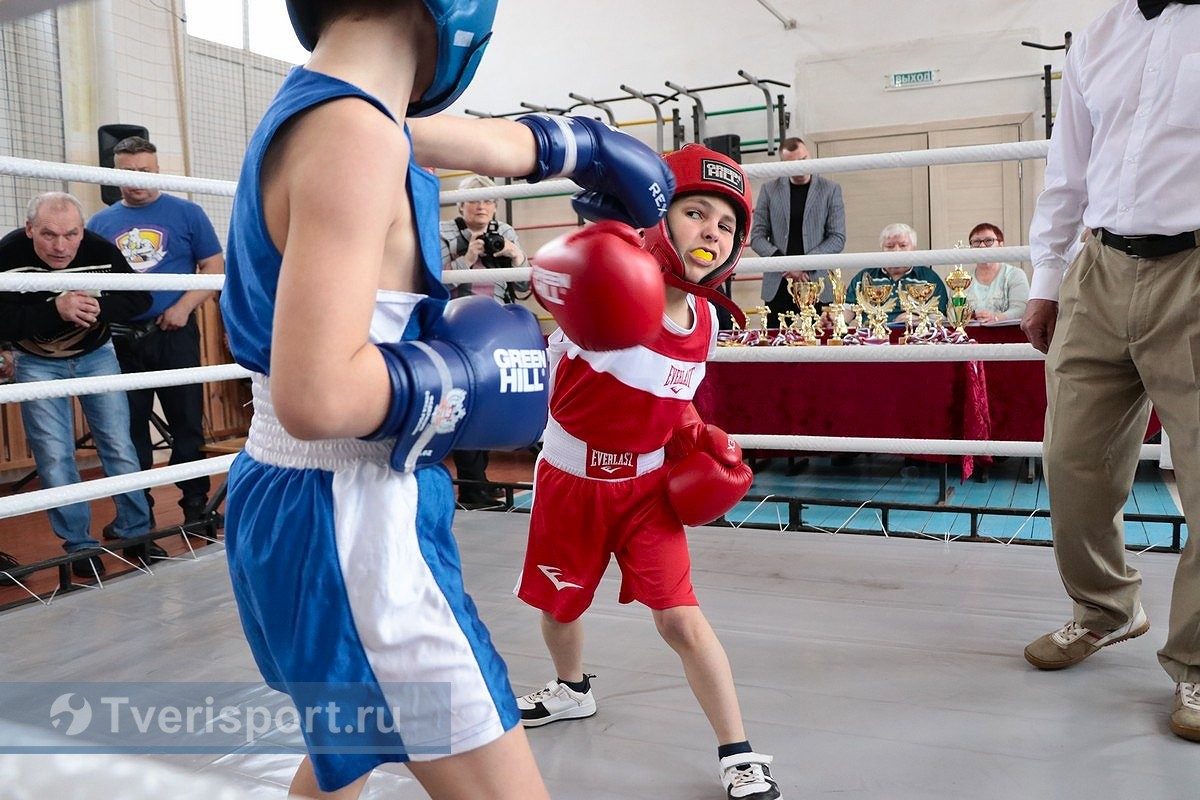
column 1125, row 151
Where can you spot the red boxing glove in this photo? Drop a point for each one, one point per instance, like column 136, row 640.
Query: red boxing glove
column 708, row 481
column 686, row 437
column 604, row 290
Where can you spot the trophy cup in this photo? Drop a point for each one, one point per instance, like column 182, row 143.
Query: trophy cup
column 960, row 311
column 877, row 301
column 806, row 294
column 837, row 309
column 760, row 336
column 920, row 306
column 906, row 311
column 793, row 329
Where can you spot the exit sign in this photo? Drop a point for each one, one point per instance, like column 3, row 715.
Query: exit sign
column 913, row 80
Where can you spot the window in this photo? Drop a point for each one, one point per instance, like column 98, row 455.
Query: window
column 225, row 22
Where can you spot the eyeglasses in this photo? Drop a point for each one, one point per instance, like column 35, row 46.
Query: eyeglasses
column 988, row 242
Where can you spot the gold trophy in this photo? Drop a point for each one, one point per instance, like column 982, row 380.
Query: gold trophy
column 806, row 294
column 920, row 307
column 837, row 309
column 877, row 301
column 792, row 332
column 960, row 311
column 760, row 336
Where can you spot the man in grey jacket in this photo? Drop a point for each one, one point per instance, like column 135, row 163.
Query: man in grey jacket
column 801, row 215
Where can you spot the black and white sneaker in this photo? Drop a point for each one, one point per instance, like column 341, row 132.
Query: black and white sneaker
column 553, row 702
column 747, row 776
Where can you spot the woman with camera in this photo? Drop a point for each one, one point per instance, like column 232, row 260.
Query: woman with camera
column 475, row 239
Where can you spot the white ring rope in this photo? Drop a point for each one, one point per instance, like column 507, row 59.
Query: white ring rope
column 945, row 447
column 894, row 258
column 44, row 499
column 83, row 281
column 127, row 382
column 1013, row 151
column 107, row 487
column 80, row 173
column 50, row 282
column 31, row 168
column 824, row 262
column 943, row 156
column 73, row 387
column 877, row 354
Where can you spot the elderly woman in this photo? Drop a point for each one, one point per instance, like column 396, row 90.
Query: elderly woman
column 899, row 236
column 475, row 239
column 999, row 291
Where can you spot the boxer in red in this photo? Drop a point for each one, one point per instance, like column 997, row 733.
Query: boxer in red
column 626, row 461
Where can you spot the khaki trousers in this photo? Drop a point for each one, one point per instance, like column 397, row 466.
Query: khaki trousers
column 1128, row 335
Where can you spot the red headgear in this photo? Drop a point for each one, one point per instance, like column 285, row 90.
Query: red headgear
column 699, row 170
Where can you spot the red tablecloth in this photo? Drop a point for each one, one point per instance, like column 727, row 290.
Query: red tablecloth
column 1016, row 390
column 999, row 400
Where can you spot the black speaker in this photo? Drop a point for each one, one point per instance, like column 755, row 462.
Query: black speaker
column 108, row 136
column 728, row 145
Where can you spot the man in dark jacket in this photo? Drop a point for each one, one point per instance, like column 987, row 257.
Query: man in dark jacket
column 66, row 335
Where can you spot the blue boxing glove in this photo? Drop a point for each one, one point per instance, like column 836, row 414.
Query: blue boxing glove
column 622, row 178
column 477, row 381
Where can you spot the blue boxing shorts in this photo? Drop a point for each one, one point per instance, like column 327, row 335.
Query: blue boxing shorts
column 346, row 573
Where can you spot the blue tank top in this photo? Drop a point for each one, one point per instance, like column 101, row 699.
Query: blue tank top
column 252, row 261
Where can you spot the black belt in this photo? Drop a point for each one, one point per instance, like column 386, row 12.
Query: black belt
column 1149, row 246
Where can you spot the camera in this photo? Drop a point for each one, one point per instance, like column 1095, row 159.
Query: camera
column 493, row 243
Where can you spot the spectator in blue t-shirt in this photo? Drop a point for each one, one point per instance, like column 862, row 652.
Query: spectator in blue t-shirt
column 163, row 234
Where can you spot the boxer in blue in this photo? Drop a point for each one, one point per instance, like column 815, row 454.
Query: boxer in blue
column 338, row 531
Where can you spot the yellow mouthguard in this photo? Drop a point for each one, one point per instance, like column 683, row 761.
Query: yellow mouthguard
column 703, row 255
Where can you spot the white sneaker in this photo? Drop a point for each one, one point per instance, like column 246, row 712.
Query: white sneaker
column 554, row 702
column 1072, row 643
column 1185, row 718
column 747, row 776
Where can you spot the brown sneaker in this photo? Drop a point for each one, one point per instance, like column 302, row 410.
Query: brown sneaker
column 1072, row 643
column 1185, row 719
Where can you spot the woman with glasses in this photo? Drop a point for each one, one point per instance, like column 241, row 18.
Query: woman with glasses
column 999, row 291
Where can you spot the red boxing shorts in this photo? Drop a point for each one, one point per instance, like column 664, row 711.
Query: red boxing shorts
column 577, row 523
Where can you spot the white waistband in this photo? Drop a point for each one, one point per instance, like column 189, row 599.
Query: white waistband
column 575, row 456
column 269, row 443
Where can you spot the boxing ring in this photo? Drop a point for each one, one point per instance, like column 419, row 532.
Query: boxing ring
column 870, row 667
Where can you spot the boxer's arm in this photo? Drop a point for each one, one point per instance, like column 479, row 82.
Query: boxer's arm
column 327, row 381
column 497, row 147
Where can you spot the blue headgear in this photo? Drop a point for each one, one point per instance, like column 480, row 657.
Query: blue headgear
column 464, row 28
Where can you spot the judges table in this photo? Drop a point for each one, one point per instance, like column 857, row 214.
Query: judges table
column 967, row 400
